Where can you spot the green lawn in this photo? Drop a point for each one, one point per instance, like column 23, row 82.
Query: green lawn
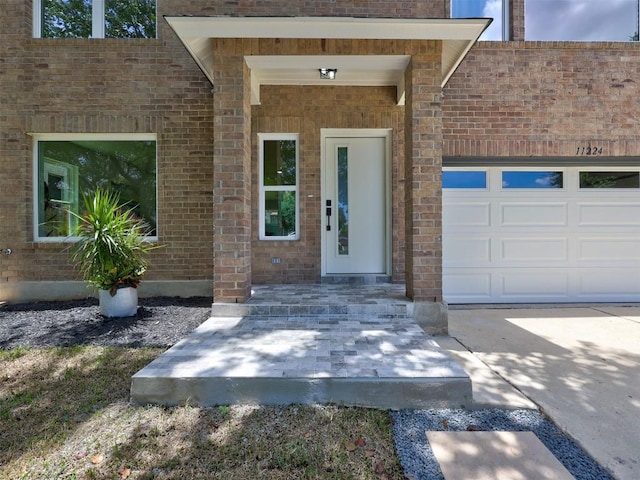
column 64, row 413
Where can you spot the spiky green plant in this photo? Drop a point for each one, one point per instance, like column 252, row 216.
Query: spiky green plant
column 112, row 249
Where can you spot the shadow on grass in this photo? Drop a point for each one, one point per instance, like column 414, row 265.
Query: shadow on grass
column 46, row 394
column 61, row 407
column 301, row 442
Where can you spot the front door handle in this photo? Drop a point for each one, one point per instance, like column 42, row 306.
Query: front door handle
column 328, row 211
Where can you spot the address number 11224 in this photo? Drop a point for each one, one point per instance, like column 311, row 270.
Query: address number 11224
column 589, row 150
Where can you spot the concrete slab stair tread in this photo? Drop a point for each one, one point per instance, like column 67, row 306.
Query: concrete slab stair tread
column 494, row 455
column 389, row 363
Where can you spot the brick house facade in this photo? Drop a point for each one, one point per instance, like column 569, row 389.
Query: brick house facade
column 511, row 100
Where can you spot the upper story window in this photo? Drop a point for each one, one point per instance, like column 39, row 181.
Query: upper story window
column 278, row 186
column 582, row 20
column 94, row 18
column 496, row 9
column 68, row 166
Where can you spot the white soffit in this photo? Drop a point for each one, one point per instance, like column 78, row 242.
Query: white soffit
column 358, row 70
column 457, row 35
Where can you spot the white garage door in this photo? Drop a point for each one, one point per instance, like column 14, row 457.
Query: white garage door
column 541, row 234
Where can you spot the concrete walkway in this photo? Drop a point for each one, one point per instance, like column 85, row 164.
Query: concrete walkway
column 580, row 364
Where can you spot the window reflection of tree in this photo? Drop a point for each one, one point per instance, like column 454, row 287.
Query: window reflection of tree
column 126, row 167
column 343, row 201
column 609, row 180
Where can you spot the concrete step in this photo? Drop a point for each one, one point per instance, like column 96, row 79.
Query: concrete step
column 495, row 455
column 266, row 309
column 274, row 360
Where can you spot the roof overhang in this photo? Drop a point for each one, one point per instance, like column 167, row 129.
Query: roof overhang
column 457, row 36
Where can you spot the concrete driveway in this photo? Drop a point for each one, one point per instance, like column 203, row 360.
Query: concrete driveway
column 580, row 365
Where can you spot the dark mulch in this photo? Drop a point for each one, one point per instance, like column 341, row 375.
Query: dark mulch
column 160, row 322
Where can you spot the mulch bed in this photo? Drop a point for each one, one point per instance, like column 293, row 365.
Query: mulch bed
column 160, row 322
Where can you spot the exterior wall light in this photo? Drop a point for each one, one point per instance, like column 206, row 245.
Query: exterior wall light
column 328, row 73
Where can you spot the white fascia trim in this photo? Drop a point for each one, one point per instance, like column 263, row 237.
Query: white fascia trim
column 329, row 27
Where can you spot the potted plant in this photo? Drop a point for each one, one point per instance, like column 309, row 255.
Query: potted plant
column 111, row 252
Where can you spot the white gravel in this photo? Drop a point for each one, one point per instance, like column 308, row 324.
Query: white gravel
column 418, row 460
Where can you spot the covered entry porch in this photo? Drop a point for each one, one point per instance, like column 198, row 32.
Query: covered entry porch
column 266, row 77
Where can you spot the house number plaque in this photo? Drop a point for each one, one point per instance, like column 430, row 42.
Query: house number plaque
column 589, row 150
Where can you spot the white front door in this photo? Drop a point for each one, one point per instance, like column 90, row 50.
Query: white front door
column 355, row 206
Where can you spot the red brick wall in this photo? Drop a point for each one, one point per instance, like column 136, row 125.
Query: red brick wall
column 146, row 86
column 340, row 8
column 506, row 99
column 232, row 175
column 543, row 99
column 423, row 167
column 516, row 25
column 108, row 85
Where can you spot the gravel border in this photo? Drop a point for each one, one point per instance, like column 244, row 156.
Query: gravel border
column 419, row 462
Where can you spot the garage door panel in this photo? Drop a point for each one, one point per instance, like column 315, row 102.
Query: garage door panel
column 467, row 250
column 465, row 285
column 533, row 250
column 520, row 214
column 535, row 284
column 468, row 214
column 606, row 250
column 609, row 284
column 608, row 214
column 568, row 244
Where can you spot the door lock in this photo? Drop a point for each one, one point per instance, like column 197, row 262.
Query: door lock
column 328, row 204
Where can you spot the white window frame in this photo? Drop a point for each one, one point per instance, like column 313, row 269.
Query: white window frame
column 43, row 137
column 277, row 188
column 97, row 18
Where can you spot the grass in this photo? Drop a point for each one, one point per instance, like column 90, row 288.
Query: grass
column 64, row 413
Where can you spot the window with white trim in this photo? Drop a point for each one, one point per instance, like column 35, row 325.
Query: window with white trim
column 94, row 18
column 69, row 166
column 279, row 199
column 498, row 10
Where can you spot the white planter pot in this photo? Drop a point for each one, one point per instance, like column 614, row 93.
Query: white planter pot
column 123, row 304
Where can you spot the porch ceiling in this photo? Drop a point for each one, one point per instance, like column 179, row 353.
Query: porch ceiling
column 457, row 36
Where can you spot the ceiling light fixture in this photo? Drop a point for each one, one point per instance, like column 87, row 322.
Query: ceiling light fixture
column 328, row 73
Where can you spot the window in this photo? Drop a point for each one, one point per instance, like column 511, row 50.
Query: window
column 532, row 179
column 496, row 9
column 278, row 186
column 610, row 179
column 68, row 167
column 464, row 179
column 94, row 18
column 580, row 20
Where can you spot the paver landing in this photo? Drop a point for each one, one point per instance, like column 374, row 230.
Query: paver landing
column 361, row 357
